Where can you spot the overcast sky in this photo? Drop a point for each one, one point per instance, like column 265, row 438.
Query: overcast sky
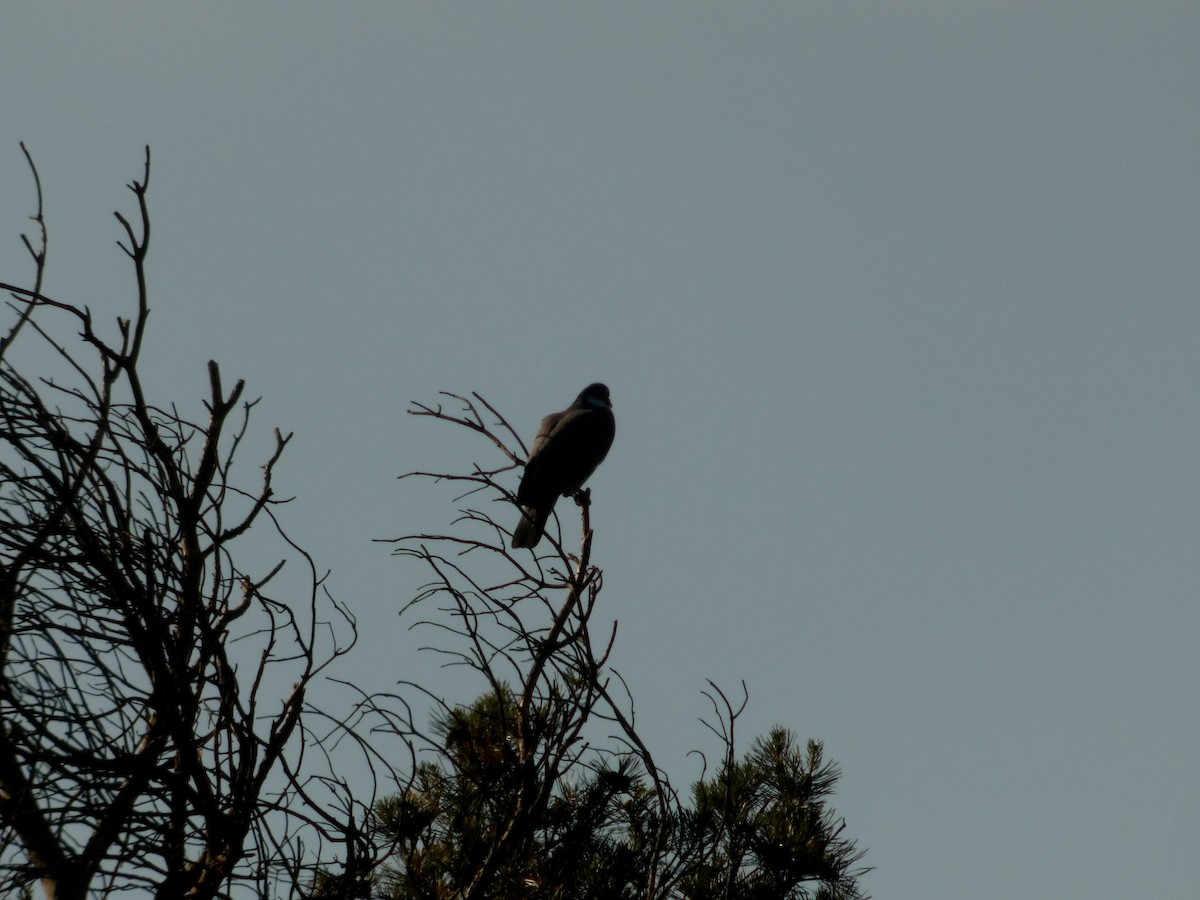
column 899, row 308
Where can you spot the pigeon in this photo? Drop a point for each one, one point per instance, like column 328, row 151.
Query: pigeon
column 568, row 447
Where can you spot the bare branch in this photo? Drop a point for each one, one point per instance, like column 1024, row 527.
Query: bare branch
column 152, row 694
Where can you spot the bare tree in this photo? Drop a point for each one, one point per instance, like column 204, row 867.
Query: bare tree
column 152, row 688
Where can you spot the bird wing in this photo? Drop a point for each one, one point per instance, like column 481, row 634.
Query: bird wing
column 566, row 451
column 544, row 432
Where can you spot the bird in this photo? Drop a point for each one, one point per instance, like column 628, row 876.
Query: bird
column 568, row 447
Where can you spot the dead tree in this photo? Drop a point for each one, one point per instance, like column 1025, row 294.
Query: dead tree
column 152, row 685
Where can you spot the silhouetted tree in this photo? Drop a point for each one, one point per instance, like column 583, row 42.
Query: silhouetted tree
column 542, row 786
column 155, row 729
column 152, row 688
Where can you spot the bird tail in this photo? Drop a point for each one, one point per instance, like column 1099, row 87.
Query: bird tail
column 529, row 530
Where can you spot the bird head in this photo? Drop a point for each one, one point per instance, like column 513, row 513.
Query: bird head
column 594, row 395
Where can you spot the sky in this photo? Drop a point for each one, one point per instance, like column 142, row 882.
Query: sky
column 899, row 305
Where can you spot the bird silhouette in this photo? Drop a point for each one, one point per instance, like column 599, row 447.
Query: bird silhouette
column 568, row 447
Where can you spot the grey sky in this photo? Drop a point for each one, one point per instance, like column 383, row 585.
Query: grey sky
column 898, row 304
